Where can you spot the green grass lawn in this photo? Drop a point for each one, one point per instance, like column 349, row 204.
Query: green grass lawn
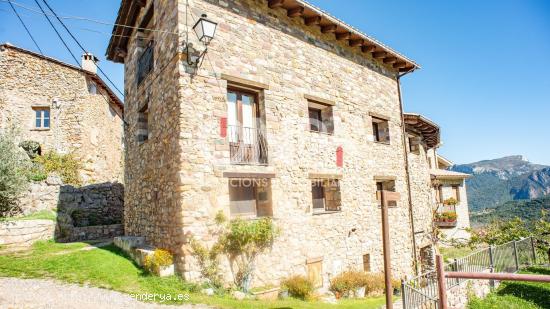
column 516, row 295
column 43, row 214
column 450, row 253
column 108, row 267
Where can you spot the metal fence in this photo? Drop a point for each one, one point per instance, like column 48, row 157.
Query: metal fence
column 422, row 291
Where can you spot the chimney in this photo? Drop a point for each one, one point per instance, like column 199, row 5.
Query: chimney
column 89, row 62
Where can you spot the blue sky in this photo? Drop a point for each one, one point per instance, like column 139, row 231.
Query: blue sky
column 485, row 64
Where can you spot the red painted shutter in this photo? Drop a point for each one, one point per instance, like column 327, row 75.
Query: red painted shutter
column 223, row 126
column 339, row 157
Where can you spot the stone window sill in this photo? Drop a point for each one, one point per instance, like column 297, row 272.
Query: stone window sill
column 40, row 129
column 325, row 212
column 382, row 143
column 322, row 133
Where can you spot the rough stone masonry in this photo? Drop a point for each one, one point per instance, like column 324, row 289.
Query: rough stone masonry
column 178, row 177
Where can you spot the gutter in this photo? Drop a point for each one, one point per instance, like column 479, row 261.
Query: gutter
column 406, row 157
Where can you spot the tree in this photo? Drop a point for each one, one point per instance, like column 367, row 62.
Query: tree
column 14, row 167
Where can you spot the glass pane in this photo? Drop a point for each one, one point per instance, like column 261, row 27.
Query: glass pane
column 242, row 201
column 248, row 119
column 46, row 122
column 232, row 116
column 38, row 122
column 46, row 113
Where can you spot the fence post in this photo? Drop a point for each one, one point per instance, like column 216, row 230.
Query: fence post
column 516, row 255
column 455, row 268
column 491, row 266
column 533, row 250
column 441, row 288
column 403, row 294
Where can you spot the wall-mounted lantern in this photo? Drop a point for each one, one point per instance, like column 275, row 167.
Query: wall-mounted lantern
column 205, row 30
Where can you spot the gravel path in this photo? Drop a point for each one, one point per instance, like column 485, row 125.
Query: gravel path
column 33, row 293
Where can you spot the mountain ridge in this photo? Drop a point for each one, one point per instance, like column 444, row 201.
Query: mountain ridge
column 500, row 180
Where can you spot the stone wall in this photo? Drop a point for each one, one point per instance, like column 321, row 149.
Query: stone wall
column 90, row 212
column 174, row 180
column 458, row 296
column 25, row 232
column 81, row 122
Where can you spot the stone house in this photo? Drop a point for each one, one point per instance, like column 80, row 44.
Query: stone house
column 65, row 108
column 449, row 184
column 288, row 113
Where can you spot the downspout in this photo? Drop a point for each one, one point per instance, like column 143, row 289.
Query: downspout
column 406, row 156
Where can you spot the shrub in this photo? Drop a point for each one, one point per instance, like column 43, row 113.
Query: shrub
column 32, row 148
column 159, row 258
column 298, row 286
column 37, row 172
column 347, row 282
column 14, row 166
column 374, row 283
column 65, row 165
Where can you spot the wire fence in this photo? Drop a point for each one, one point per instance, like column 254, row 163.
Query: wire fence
column 422, row 291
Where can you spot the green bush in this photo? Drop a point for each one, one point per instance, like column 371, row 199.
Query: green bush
column 298, row 287
column 14, row 167
column 37, row 172
column 65, row 165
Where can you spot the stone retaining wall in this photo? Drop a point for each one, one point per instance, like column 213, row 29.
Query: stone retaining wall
column 93, row 232
column 25, row 232
column 458, row 296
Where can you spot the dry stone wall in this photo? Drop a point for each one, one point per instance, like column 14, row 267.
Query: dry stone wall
column 25, row 232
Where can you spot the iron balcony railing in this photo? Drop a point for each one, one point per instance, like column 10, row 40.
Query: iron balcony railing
column 247, row 145
column 145, row 62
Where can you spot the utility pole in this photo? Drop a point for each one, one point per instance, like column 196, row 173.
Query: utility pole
column 386, row 248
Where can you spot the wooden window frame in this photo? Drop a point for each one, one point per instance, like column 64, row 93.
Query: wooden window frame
column 319, row 119
column 456, row 191
column 318, row 106
column 239, row 92
column 367, row 262
column 325, row 210
column 376, row 121
column 257, row 201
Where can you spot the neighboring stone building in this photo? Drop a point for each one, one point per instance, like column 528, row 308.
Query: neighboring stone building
column 449, row 185
column 64, row 108
column 291, row 114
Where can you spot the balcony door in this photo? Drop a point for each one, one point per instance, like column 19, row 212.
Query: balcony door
column 242, row 116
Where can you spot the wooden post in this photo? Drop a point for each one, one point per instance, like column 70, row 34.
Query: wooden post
column 516, row 259
column 534, row 252
column 441, row 288
column 386, row 248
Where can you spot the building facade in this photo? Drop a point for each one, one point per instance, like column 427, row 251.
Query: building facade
column 289, row 114
column 64, row 108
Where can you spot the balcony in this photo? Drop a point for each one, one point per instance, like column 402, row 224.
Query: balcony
column 445, row 216
column 247, row 145
column 145, row 62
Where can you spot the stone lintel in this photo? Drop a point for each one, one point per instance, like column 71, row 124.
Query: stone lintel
column 384, row 178
column 248, row 175
column 314, row 260
column 242, row 82
column 380, row 116
column 315, row 175
column 316, row 99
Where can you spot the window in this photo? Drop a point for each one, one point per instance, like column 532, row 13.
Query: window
column 325, row 195
column 315, row 271
column 247, row 143
column 456, row 192
column 414, row 144
column 42, row 117
column 250, row 197
column 92, row 87
column 146, row 47
column 366, row 262
column 143, row 124
column 389, row 186
column 439, row 194
column 320, row 117
column 380, row 130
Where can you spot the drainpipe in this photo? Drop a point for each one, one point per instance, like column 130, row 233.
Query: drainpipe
column 404, row 133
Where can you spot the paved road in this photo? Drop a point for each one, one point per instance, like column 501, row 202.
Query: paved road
column 33, row 293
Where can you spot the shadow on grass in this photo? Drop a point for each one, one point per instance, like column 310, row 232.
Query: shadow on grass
column 538, row 270
column 534, row 293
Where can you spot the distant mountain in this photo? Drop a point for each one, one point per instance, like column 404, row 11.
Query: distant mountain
column 497, row 181
column 528, row 210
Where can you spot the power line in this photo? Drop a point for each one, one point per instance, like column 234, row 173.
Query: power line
column 29, row 8
column 25, row 26
column 80, row 45
column 59, row 35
